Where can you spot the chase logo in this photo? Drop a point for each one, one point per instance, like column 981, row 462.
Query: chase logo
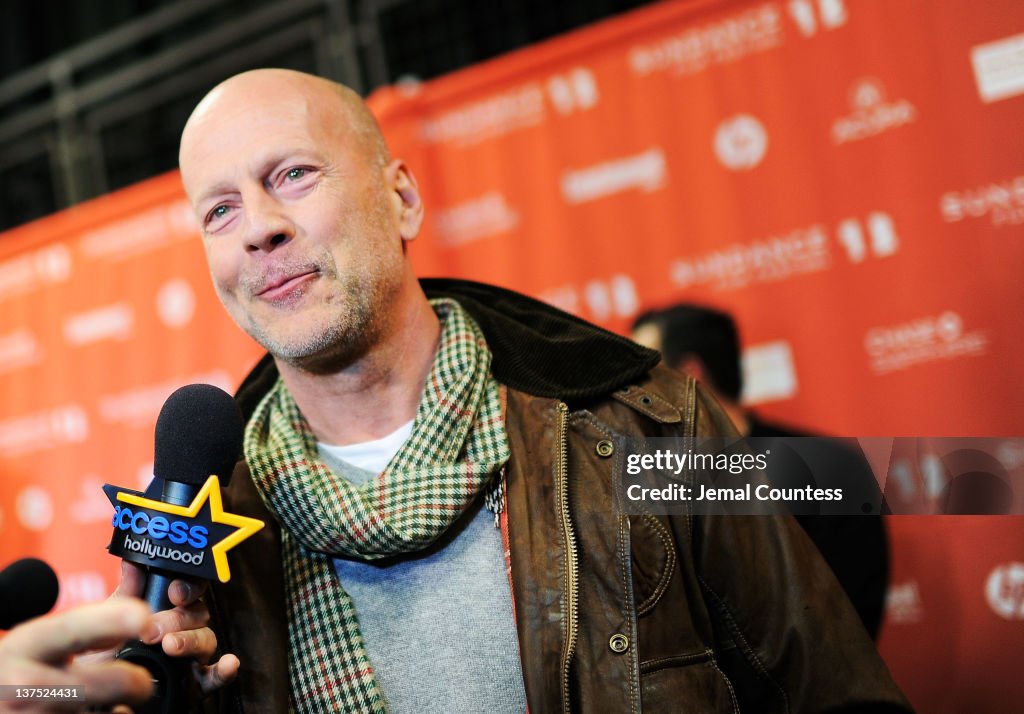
column 188, row 540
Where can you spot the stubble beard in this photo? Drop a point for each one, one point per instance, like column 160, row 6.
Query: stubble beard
column 349, row 320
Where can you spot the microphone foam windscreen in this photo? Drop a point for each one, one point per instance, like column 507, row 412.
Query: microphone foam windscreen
column 198, row 433
column 28, row 588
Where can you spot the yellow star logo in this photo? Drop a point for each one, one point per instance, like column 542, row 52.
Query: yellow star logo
column 209, row 492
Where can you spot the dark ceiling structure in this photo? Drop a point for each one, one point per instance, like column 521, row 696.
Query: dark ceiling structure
column 93, row 93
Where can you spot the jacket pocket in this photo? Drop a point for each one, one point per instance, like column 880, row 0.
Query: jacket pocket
column 692, row 684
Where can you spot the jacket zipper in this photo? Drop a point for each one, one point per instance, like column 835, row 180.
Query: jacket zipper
column 571, row 562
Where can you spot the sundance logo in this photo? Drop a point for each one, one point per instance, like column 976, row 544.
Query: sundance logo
column 645, row 171
column 741, row 142
column 924, row 339
column 1002, row 201
column 494, row 116
column 727, row 40
column 871, row 114
column 1004, row 591
column 798, row 252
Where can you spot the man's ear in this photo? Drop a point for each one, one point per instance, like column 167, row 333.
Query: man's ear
column 407, row 195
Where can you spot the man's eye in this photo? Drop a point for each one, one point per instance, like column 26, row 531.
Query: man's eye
column 218, row 213
column 295, row 174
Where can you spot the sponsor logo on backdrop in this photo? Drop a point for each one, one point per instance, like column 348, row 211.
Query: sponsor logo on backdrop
column 879, row 240
column 999, row 68
column 768, row 372
column 497, row 115
column 479, row 217
column 741, row 142
column 140, row 233
column 46, row 429
column 110, row 322
column 1004, row 591
column 45, row 266
column 871, row 113
column 645, row 172
column 923, row 339
column 813, row 16
column 80, row 588
column 798, row 252
column 53, row 263
column 176, row 303
column 92, row 505
column 19, row 349
column 903, row 604
column 573, row 91
column 604, row 298
column 34, row 508
column 564, row 297
column 1002, row 201
column 720, row 42
column 140, row 406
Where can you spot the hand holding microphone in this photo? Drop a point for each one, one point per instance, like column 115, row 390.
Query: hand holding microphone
column 175, row 537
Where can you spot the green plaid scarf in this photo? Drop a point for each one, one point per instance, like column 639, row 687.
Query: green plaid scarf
column 457, row 445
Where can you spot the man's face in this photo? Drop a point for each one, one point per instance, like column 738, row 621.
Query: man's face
column 298, row 221
column 648, row 335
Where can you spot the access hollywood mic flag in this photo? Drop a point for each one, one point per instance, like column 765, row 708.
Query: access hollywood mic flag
column 178, row 526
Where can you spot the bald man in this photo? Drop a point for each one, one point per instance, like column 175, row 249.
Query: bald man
column 436, row 460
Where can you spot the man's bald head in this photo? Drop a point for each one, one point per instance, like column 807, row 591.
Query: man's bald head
column 304, row 216
column 332, row 106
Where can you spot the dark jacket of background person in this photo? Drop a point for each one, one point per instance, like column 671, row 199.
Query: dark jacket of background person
column 856, row 547
column 674, row 614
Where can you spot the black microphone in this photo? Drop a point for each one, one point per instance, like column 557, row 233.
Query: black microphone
column 198, row 435
column 28, row 588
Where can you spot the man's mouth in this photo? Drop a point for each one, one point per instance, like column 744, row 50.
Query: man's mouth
column 281, row 287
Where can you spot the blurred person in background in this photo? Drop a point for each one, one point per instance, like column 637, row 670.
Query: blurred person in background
column 704, row 343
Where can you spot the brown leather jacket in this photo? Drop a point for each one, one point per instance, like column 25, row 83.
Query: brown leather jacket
column 615, row 613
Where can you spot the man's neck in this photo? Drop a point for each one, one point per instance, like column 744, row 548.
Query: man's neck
column 379, row 392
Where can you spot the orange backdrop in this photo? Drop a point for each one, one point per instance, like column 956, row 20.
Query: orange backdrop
column 845, row 176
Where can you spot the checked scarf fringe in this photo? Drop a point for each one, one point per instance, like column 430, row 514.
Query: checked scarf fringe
column 457, row 447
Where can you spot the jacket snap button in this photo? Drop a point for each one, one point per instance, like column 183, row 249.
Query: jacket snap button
column 618, row 643
column 604, row 448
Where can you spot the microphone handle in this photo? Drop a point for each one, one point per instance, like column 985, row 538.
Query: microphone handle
column 158, row 581
column 170, row 674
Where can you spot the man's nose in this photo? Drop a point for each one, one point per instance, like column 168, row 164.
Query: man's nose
column 268, row 225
